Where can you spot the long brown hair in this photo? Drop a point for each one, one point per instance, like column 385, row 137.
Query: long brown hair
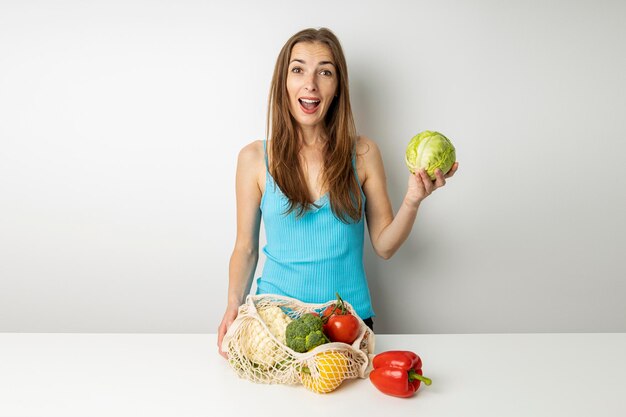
column 338, row 174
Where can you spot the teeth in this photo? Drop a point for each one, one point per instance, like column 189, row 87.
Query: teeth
column 304, row 100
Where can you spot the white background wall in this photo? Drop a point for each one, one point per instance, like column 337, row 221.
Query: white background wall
column 120, row 124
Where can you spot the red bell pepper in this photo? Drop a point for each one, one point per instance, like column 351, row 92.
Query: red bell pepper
column 398, row 373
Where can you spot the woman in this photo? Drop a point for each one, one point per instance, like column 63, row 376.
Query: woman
column 313, row 183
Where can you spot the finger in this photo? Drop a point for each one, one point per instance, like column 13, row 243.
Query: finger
column 417, row 177
column 450, row 173
column 426, row 181
column 440, row 180
column 219, row 346
column 221, row 331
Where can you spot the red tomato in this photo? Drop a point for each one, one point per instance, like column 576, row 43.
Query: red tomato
column 342, row 328
column 333, row 310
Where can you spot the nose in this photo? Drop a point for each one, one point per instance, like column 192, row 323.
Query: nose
column 310, row 83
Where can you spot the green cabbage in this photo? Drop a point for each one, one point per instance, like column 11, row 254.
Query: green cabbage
column 430, row 150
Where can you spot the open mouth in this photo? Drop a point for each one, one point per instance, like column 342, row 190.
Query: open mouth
column 309, row 105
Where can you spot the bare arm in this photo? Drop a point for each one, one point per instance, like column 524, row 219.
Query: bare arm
column 244, row 258
column 388, row 232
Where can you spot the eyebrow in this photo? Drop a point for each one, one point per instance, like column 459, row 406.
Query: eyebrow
column 320, row 63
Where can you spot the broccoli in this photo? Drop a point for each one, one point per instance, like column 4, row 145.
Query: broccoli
column 305, row 333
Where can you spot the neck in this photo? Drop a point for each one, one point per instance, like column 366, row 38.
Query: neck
column 311, row 136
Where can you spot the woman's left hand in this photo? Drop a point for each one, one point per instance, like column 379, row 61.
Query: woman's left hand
column 421, row 186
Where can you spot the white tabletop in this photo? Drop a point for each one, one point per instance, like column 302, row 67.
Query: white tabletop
column 182, row 375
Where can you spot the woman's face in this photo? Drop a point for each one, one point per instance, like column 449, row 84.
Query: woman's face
column 311, row 82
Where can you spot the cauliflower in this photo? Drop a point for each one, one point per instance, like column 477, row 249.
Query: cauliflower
column 305, row 333
column 257, row 345
column 276, row 320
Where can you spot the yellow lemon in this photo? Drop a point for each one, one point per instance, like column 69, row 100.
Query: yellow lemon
column 332, row 369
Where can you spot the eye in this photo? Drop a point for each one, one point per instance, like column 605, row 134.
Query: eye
column 326, row 72
column 296, row 70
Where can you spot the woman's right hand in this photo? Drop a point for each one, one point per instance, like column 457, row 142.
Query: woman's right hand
column 229, row 316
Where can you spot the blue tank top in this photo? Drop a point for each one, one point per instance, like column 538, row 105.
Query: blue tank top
column 313, row 257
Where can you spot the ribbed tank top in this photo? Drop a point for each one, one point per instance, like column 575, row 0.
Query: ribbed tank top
column 313, row 257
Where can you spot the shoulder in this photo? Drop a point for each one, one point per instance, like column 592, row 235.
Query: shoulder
column 367, row 148
column 252, row 152
column 251, row 163
column 369, row 159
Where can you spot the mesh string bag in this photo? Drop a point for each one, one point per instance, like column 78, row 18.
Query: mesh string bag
column 256, row 348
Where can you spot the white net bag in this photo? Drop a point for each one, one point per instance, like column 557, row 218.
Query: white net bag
column 255, row 343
